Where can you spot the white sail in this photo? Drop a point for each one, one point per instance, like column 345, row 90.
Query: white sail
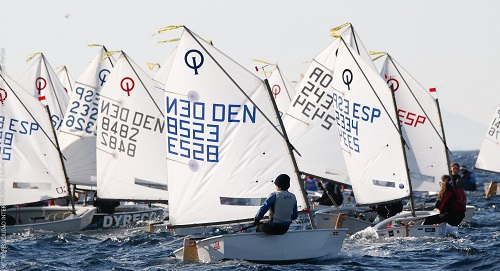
column 282, row 90
column 420, row 121
column 30, row 166
column 223, row 150
column 42, row 82
column 66, row 80
column 489, row 158
column 161, row 75
column 352, row 38
column 310, row 120
column 131, row 136
column 77, row 136
column 369, row 134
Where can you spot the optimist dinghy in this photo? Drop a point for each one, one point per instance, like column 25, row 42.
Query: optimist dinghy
column 298, row 245
column 50, row 218
column 29, row 140
column 405, row 224
column 225, row 145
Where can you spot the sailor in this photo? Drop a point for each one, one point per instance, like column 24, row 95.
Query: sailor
column 469, row 179
column 330, row 191
column 457, row 180
column 310, row 184
column 282, row 207
column 387, row 210
column 451, row 204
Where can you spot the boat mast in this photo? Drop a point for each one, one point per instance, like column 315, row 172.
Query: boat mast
column 290, row 151
column 72, row 200
column 447, row 151
column 412, row 203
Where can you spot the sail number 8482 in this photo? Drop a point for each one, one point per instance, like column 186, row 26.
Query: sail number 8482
column 119, row 137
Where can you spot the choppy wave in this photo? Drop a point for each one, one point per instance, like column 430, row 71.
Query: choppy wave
column 473, row 246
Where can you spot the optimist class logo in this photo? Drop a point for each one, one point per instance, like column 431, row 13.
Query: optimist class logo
column 40, row 84
column 3, row 95
column 127, row 84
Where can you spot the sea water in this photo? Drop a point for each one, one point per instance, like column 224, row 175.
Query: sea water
column 473, row 246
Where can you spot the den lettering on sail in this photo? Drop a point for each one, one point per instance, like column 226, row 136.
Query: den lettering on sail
column 121, row 127
column 193, row 128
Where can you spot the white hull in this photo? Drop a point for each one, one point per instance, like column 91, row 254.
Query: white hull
column 327, row 218
column 385, row 229
column 260, row 247
column 50, row 218
column 129, row 215
column 469, row 210
column 164, row 227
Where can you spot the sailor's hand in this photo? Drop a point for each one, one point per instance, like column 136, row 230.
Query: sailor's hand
column 256, row 222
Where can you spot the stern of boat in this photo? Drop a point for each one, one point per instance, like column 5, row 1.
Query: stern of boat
column 86, row 214
column 353, row 219
column 405, row 225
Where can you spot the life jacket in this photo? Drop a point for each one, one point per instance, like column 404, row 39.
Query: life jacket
column 283, row 207
column 460, row 203
column 454, row 201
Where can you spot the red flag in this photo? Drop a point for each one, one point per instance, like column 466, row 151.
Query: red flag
column 432, row 89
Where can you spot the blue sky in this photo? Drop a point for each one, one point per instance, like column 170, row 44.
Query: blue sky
column 450, row 44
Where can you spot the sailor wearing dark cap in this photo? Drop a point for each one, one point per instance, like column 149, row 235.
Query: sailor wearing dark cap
column 282, row 207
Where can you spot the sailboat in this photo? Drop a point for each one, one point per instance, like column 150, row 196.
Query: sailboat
column 77, row 136
column 419, row 115
column 225, row 145
column 310, row 118
column 373, row 142
column 28, row 140
column 311, row 123
column 42, row 82
column 423, row 131
column 488, row 154
column 131, row 144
